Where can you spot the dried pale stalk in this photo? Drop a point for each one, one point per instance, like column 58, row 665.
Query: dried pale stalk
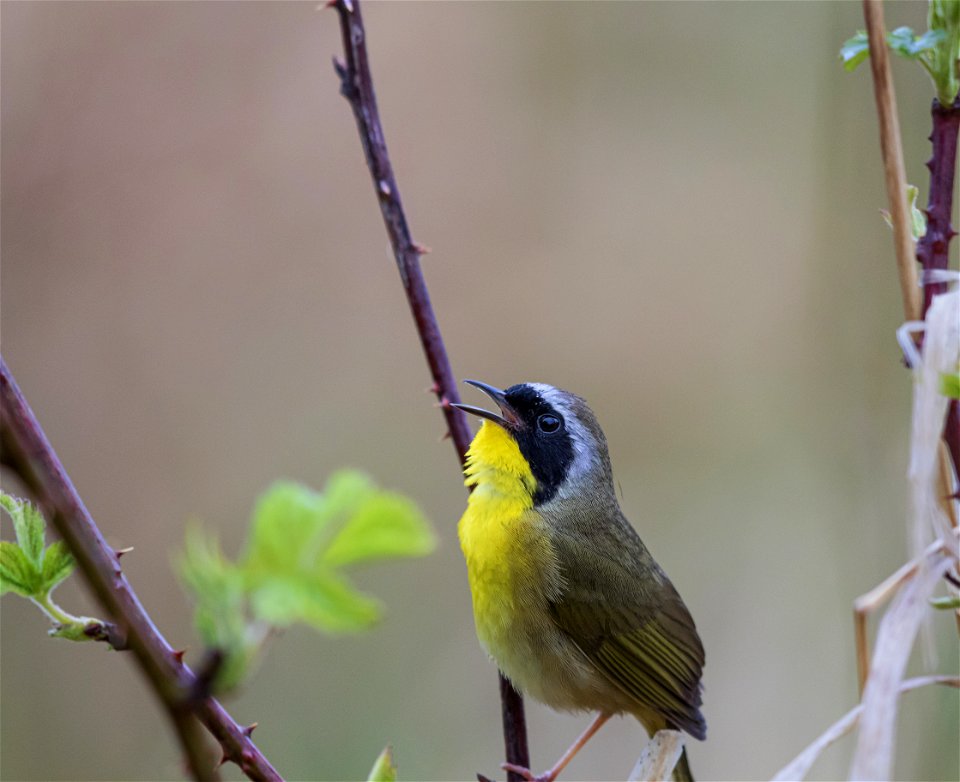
column 873, row 757
column 800, row 766
column 658, row 757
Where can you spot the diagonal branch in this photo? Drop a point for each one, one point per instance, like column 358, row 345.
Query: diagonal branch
column 356, row 85
column 27, row 452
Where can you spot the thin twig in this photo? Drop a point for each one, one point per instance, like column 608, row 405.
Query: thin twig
column 892, row 150
column 356, row 85
column 28, row 452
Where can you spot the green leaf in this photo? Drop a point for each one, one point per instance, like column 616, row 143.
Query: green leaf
column 902, row 41
column 950, row 385
column 220, row 616
column 287, row 521
column 855, row 50
column 28, row 525
column 301, row 537
column 384, row 769
column 385, row 525
column 57, row 565
column 918, row 220
column 17, row 573
column 323, row 600
column 290, row 569
column 945, row 603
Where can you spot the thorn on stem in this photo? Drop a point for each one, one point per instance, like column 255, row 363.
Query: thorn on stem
column 384, row 187
column 445, row 436
column 421, row 249
column 340, row 67
column 121, row 551
column 178, row 655
column 223, row 760
column 482, row 778
column 432, row 389
column 247, row 731
column 347, row 6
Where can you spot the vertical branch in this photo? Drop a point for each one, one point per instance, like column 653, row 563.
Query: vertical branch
column 896, row 182
column 933, row 249
column 27, row 451
column 356, row 85
column 892, row 150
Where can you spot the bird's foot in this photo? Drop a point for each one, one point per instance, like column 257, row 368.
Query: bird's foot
column 527, row 774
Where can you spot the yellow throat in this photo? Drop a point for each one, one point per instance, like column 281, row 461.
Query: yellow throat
column 496, row 530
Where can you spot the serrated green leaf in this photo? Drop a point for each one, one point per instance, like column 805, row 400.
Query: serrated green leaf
column 855, row 50
column 900, row 41
column 28, row 525
column 17, row 573
column 287, row 521
column 385, row 525
column 220, row 616
column 57, row 565
column 346, row 491
column 384, row 769
column 288, row 574
column 950, row 385
column 323, row 600
column 903, row 42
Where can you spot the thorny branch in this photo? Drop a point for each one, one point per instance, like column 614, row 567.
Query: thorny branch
column 356, row 85
column 914, row 306
column 26, row 450
column 933, row 249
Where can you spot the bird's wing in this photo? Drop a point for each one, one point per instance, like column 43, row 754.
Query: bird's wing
column 630, row 622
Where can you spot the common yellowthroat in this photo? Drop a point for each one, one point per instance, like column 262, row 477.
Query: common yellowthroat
column 566, row 598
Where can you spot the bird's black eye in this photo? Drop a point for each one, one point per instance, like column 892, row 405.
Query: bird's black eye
column 548, row 423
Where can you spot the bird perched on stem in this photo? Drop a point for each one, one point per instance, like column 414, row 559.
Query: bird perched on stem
column 566, row 598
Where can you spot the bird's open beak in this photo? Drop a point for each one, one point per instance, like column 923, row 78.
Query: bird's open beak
column 508, row 418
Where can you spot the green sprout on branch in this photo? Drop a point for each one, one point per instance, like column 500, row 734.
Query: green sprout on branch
column 293, row 567
column 32, row 569
column 937, row 50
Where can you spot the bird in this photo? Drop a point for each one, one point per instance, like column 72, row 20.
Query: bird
column 567, row 599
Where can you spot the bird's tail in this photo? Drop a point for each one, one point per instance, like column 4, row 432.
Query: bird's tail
column 681, row 772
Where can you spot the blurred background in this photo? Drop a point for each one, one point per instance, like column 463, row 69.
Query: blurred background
column 669, row 208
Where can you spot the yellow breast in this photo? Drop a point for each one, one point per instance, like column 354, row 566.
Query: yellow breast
column 503, row 542
column 514, row 575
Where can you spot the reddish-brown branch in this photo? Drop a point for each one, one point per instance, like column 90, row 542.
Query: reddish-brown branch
column 356, row 85
column 27, row 451
column 896, row 182
column 933, row 249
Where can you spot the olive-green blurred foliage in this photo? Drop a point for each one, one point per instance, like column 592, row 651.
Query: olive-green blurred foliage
column 670, row 208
